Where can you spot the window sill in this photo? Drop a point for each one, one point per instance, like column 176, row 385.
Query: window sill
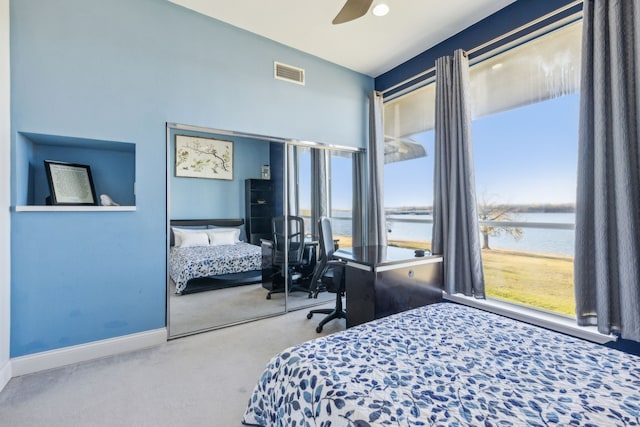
column 546, row 320
column 62, row 208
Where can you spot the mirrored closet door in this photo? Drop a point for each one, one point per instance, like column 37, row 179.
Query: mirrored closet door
column 320, row 182
column 228, row 195
column 224, row 190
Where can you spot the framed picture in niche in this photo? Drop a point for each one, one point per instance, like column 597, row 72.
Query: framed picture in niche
column 70, row 184
column 198, row 157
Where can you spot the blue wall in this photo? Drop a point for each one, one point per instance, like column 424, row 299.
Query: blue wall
column 119, row 70
column 195, row 198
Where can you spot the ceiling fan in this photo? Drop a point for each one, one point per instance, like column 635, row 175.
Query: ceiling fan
column 352, row 9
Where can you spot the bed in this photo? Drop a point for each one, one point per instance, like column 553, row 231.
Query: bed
column 197, row 264
column 447, row 364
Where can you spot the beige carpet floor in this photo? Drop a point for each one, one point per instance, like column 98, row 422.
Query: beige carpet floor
column 199, row 380
column 215, row 308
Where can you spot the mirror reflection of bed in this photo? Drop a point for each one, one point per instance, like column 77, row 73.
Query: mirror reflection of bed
column 224, row 297
column 228, row 279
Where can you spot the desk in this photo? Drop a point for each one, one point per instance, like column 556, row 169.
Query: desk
column 383, row 280
column 272, row 277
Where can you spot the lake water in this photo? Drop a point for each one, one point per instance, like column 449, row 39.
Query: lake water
column 551, row 241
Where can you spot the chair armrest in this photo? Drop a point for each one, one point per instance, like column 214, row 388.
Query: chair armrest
column 337, row 262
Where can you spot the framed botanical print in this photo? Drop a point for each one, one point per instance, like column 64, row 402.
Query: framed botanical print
column 199, row 157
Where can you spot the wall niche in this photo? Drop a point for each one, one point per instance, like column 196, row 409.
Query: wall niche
column 112, row 167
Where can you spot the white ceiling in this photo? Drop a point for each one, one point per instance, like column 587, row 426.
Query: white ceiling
column 370, row 45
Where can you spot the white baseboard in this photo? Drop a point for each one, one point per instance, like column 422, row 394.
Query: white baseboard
column 81, row 353
column 5, row 374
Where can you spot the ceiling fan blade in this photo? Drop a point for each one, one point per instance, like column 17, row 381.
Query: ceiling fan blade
column 351, row 10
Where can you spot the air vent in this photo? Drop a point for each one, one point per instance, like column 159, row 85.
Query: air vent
column 287, row 72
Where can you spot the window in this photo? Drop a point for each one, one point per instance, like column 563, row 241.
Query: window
column 525, row 136
column 408, row 170
column 302, row 163
column 525, row 129
column 341, row 197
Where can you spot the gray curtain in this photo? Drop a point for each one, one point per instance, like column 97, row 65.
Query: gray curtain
column 456, row 234
column 292, row 180
column 319, row 188
column 359, row 214
column 607, row 255
column 376, row 222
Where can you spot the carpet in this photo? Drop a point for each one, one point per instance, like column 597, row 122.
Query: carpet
column 199, row 380
column 216, row 308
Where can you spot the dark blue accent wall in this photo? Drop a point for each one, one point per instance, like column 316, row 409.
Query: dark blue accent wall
column 511, row 17
column 627, row 346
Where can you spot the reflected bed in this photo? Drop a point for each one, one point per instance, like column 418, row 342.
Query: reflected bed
column 202, row 265
column 447, row 364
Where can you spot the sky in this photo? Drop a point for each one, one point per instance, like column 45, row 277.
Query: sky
column 526, row 155
column 523, row 156
column 341, row 182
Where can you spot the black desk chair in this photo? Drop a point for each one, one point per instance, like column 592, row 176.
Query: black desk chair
column 328, row 276
column 294, row 238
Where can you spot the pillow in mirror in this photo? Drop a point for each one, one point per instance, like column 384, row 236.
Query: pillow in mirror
column 185, row 237
column 243, row 232
column 223, row 236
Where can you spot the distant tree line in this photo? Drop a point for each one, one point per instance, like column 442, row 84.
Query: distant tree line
column 544, row 208
column 516, row 208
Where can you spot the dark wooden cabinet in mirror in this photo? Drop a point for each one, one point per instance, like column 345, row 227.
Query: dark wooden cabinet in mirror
column 259, row 209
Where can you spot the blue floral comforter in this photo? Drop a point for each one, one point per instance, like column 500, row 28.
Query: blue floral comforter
column 204, row 261
column 447, row 365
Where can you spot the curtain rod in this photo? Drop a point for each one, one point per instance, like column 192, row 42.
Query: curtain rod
column 489, row 43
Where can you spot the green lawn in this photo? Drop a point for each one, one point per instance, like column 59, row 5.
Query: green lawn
column 537, row 280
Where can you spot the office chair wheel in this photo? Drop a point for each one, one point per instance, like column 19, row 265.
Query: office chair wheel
column 268, row 296
column 309, row 315
column 319, row 329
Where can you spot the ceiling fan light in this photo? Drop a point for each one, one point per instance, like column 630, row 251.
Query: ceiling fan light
column 380, row 9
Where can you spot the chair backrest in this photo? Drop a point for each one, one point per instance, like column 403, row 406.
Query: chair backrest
column 327, row 248
column 288, row 230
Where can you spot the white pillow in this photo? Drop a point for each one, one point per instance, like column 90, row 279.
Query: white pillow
column 177, row 232
column 194, row 239
column 223, row 237
column 184, row 239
